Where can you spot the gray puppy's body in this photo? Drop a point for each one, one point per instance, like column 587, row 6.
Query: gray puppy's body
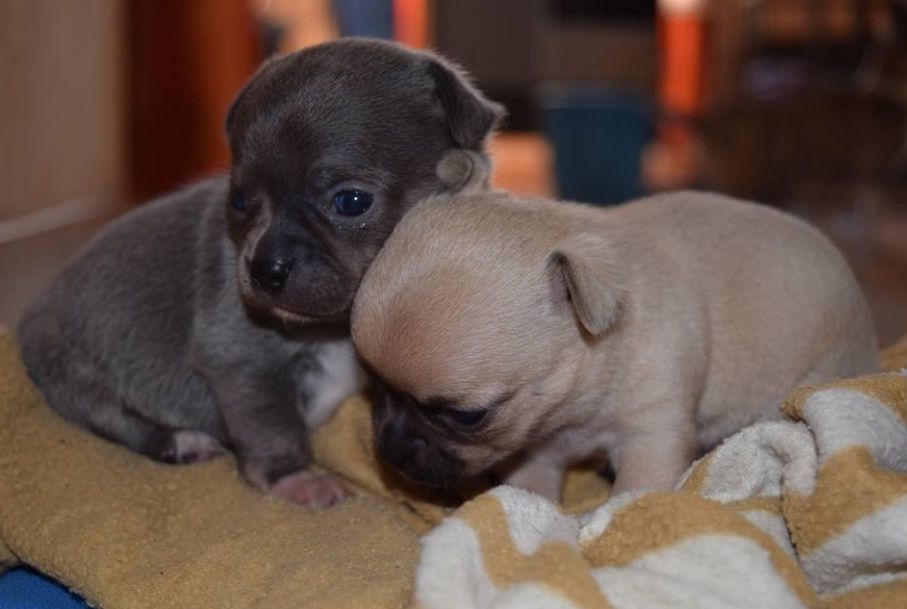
column 218, row 317
column 527, row 335
column 136, row 358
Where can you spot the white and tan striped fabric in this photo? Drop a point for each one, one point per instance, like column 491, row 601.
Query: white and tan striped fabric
column 809, row 512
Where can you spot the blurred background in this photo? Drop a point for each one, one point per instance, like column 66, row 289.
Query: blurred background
column 801, row 104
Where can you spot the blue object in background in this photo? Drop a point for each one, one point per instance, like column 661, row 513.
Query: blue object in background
column 23, row 588
column 374, row 18
column 599, row 135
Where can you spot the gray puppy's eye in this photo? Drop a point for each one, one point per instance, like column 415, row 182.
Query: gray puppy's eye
column 352, row 202
column 466, row 418
column 238, row 202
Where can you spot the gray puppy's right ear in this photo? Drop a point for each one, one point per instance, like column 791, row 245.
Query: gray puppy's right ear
column 583, row 279
column 470, row 115
column 231, row 113
column 230, row 121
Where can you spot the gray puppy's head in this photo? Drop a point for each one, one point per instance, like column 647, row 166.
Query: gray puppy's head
column 331, row 145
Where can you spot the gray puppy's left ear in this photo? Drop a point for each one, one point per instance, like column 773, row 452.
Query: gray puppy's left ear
column 463, row 171
column 583, row 279
column 470, row 115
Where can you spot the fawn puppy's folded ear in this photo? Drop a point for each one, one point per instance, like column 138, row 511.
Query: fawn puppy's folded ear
column 585, row 279
column 470, row 115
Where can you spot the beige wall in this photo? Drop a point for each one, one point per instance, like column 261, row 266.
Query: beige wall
column 61, row 102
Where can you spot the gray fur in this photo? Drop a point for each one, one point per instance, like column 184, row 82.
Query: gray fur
column 155, row 329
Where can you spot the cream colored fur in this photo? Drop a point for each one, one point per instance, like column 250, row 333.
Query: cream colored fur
column 648, row 332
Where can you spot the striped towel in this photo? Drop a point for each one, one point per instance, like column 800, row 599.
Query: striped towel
column 807, row 512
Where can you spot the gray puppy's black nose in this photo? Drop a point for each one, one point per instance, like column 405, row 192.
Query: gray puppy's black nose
column 270, row 275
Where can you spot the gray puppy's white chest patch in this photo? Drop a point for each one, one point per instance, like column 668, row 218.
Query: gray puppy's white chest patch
column 337, row 377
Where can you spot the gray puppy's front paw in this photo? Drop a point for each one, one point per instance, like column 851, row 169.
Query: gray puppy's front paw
column 188, row 446
column 316, row 490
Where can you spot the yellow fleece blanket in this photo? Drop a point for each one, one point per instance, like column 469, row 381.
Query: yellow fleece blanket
column 809, row 512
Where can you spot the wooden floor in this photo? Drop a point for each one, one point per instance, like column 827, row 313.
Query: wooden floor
column 871, row 230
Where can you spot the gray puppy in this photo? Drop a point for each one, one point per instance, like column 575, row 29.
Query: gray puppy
column 218, row 316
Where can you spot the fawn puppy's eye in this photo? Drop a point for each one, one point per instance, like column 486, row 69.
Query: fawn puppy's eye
column 352, row 203
column 466, row 418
